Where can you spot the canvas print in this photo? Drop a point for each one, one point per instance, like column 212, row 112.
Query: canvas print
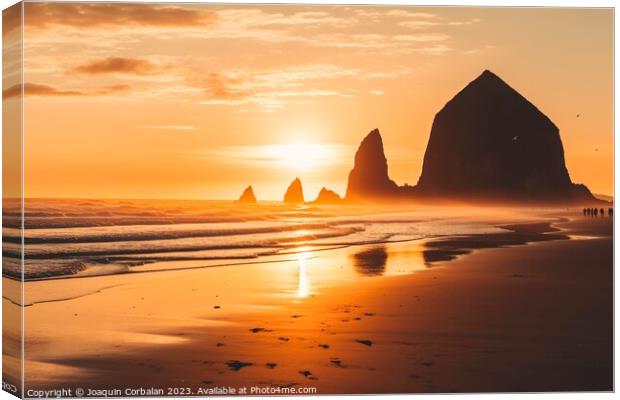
column 210, row 199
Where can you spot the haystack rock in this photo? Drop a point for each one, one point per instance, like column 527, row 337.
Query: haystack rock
column 248, row 196
column 327, row 196
column 490, row 142
column 369, row 177
column 294, row 193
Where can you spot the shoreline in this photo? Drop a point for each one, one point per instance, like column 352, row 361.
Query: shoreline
column 535, row 230
column 183, row 329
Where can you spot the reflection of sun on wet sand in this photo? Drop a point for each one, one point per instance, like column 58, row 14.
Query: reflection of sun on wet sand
column 527, row 317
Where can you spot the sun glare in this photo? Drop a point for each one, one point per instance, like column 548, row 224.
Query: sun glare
column 303, row 289
column 301, row 155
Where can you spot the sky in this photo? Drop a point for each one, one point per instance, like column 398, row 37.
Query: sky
column 199, row 101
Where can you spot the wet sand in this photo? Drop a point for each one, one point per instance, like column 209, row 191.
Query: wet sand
column 449, row 315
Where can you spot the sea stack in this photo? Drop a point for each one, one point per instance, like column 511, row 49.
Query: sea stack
column 490, row 143
column 327, row 196
column 294, row 193
column 248, row 196
column 369, row 177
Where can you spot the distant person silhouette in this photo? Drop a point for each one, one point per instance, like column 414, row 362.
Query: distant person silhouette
column 610, row 212
column 596, row 212
column 602, row 212
column 585, row 211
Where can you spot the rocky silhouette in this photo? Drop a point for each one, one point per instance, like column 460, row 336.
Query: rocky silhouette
column 248, row 196
column 490, row 142
column 327, row 196
column 294, row 193
column 369, row 177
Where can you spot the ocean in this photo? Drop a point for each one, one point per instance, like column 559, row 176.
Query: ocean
column 68, row 238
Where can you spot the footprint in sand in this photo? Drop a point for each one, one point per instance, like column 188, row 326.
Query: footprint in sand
column 308, row 375
column 256, row 330
column 337, row 362
column 236, row 365
column 324, row 346
column 364, row 342
column 369, row 314
column 271, row 365
column 284, row 339
column 219, row 344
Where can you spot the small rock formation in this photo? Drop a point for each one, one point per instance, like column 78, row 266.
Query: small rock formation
column 248, row 196
column 490, row 142
column 327, row 196
column 295, row 193
column 369, row 177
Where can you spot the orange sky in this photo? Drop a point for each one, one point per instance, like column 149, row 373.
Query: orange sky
column 193, row 101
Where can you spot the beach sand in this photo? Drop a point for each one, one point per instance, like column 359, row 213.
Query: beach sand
column 447, row 315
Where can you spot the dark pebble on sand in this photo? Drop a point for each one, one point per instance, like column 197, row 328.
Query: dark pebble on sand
column 216, row 307
column 284, row 339
column 271, row 365
column 219, row 344
column 236, row 365
column 324, row 346
column 337, row 362
column 305, row 373
column 256, row 330
column 364, row 342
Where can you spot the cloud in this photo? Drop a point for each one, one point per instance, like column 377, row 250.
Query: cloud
column 376, row 92
column 462, row 23
column 477, row 50
column 170, row 127
column 274, row 88
column 383, row 30
column 225, row 86
column 436, row 50
column 425, row 37
column 116, row 65
column 89, row 15
column 254, row 17
column 410, row 14
column 418, row 24
column 37, row 89
column 109, row 89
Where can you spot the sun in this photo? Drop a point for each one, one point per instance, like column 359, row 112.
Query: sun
column 301, row 156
